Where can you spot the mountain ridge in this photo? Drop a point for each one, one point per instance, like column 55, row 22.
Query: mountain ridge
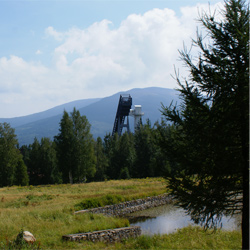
column 100, row 112
column 20, row 120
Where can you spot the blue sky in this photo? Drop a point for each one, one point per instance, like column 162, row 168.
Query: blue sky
column 53, row 52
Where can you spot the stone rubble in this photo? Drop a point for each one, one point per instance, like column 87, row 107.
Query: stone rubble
column 109, row 235
column 128, row 207
column 113, row 235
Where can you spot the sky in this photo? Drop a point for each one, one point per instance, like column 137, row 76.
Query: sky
column 57, row 51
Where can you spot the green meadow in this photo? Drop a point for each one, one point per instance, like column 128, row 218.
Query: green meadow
column 48, row 213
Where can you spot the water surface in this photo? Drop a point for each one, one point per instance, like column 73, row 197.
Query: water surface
column 167, row 219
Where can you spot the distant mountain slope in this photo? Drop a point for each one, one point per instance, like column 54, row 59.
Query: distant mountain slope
column 18, row 121
column 100, row 113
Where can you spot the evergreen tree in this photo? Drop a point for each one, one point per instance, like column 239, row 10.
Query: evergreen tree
column 21, row 174
column 145, row 150
column 111, row 149
column 9, row 155
column 120, row 154
column 126, row 156
column 101, row 161
column 75, row 147
column 210, row 141
column 49, row 171
column 65, row 148
column 34, row 163
column 159, row 162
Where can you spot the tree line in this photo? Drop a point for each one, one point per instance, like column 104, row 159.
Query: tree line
column 74, row 156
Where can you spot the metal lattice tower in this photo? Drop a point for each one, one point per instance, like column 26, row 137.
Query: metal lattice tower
column 123, row 109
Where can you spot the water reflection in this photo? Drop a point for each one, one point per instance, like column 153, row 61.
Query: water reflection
column 167, row 219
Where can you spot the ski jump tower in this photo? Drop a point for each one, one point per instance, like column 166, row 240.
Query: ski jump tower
column 123, row 111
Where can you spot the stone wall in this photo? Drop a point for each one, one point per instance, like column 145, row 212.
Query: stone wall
column 130, row 206
column 109, row 235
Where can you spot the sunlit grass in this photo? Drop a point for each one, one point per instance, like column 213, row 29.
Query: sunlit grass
column 48, row 213
column 186, row 238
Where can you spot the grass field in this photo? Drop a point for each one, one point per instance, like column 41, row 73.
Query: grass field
column 47, row 212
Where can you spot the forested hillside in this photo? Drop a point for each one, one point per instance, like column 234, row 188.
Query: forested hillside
column 74, row 156
column 99, row 112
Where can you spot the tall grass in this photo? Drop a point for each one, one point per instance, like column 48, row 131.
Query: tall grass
column 47, row 212
column 186, row 238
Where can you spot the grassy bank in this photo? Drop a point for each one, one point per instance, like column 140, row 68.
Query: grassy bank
column 186, row 238
column 47, row 212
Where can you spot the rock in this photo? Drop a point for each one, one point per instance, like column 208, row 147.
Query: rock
column 28, row 236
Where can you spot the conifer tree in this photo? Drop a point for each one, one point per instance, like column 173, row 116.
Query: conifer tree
column 21, row 174
column 75, row 147
column 144, row 148
column 101, row 161
column 210, row 143
column 9, row 155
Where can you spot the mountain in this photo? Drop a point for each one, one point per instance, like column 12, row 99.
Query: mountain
column 100, row 113
column 18, row 121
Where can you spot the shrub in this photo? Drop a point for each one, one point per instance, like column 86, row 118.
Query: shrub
column 108, row 199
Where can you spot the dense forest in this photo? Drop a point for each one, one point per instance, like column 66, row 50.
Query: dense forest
column 75, row 157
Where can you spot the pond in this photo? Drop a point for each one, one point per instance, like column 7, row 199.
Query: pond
column 167, row 219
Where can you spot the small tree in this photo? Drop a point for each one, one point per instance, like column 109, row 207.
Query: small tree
column 209, row 144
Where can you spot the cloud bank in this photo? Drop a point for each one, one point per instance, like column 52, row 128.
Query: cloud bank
column 98, row 61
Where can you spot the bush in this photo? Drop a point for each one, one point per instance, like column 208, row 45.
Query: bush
column 108, row 199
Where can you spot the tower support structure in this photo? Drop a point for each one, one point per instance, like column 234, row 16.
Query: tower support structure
column 137, row 114
column 123, row 109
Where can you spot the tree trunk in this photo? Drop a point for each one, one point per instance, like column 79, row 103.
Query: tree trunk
column 245, row 210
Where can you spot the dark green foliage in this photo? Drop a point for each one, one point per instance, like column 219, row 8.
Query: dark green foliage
column 21, row 174
column 120, row 153
column 41, row 160
column 101, row 161
column 124, row 174
column 64, row 142
column 111, row 151
column 126, row 155
column 102, row 201
column 19, row 243
column 209, row 141
column 10, row 156
column 33, row 163
column 150, row 161
column 50, row 169
column 145, row 149
column 137, row 155
column 75, row 148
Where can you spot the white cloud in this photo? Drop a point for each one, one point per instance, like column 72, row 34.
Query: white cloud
column 39, row 52
column 99, row 61
column 50, row 31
